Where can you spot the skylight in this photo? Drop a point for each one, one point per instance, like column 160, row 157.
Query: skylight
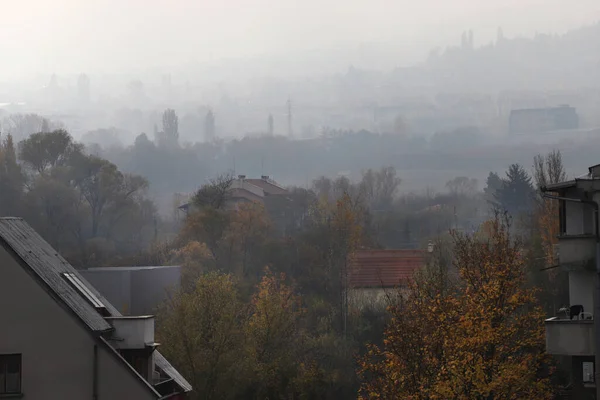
column 84, row 291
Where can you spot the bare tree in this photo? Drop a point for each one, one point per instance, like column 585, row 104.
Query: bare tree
column 216, row 193
column 20, row 126
column 548, row 169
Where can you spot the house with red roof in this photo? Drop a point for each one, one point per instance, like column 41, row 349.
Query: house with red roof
column 373, row 273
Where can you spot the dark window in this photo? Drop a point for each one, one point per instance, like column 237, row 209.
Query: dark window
column 562, row 213
column 10, row 374
column 138, row 360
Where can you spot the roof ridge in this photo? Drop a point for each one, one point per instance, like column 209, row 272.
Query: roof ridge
column 36, row 254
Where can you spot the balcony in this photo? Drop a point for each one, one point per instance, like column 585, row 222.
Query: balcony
column 133, row 332
column 569, row 337
column 577, row 252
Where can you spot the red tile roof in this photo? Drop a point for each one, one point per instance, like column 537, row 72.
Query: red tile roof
column 384, row 268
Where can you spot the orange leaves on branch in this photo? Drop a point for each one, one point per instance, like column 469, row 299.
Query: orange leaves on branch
column 483, row 340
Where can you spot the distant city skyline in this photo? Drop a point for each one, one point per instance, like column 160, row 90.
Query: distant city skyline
column 70, row 36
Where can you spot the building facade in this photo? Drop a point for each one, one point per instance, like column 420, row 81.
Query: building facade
column 571, row 333
column 536, row 120
column 61, row 339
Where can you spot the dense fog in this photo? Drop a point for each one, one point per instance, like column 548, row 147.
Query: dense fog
column 282, row 154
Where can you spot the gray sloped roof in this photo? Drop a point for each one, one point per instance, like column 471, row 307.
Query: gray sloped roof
column 49, row 266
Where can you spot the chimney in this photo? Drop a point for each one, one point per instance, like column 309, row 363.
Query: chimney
column 430, row 247
column 594, row 171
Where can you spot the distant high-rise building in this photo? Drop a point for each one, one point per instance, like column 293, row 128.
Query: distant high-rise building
column 271, row 125
column 166, row 80
column 209, row 126
column 53, row 84
column 83, row 88
column 52, row 88
column 499, row 36
column 537, row 120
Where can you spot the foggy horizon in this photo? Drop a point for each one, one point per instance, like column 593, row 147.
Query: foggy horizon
column 317, row 199
column 68, row 37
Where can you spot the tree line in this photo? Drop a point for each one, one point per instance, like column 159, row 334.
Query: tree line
column 82, row 204
column 262, row 311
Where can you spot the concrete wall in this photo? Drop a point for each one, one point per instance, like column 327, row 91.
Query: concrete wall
column 134, row 291
column 114, row 285
column 150, row 288
column 581, row 289
column 370, row 297
column 57, row 351
column 569, row 338
column 577, row 250
column 580, row 218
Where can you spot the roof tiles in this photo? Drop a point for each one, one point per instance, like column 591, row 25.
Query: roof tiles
column 384, row 268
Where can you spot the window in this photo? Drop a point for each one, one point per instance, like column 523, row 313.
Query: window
column 562, row 212
column 10, row 374
column 138, row 360
column 86, row 293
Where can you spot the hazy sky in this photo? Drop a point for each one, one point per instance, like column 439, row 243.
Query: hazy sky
column 114, row 35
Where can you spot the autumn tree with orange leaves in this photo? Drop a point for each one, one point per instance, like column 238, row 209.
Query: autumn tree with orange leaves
column 482, row 340
column 548, row 170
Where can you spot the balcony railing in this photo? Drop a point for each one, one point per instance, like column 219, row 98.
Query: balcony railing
column 570, row 337
column 576, row 251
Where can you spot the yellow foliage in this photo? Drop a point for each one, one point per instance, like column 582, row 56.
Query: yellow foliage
column 549, row 225
column 485, row 340
column 193, row 258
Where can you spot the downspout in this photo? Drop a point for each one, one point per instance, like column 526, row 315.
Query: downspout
column 95, row 376
column 597, row 294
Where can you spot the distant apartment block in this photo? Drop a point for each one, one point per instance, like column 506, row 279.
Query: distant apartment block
column 537, row 120
column 264, row 190
column 243, row 190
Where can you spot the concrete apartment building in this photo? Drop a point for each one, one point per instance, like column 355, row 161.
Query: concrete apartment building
column 135, row 290
column 572, row 332
column 61, row 339
column 244, row 190
column 537, row 120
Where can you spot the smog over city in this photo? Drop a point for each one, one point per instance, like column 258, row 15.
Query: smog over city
column 292, row 184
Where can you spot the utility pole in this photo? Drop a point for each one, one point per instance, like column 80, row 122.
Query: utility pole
column 289, row 109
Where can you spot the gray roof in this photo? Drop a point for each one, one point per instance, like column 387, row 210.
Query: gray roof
column 136, row 268
column 48, row 265
column 559, row 186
